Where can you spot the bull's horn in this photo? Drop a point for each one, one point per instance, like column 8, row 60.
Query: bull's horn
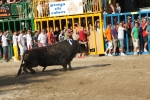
column 82, row 42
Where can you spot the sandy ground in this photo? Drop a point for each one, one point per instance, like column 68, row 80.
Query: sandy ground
column 92, row 78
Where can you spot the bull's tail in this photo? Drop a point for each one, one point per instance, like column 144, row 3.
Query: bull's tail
column 20, row 70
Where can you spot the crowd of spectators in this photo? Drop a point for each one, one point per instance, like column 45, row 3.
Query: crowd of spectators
column 115, row 36
column 23, row 40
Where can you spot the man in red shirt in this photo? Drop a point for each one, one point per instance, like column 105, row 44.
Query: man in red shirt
column 144, row 34
column 83, row 38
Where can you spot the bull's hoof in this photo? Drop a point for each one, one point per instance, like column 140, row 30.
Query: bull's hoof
column 33, row 72
column 70, row 69
column 25, row 71
column 62, row 69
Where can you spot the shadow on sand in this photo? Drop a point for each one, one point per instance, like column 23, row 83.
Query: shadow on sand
column 28, row 78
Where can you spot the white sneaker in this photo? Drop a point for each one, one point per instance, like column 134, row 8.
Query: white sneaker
column 110, row 55
column 13, row 57
column 145, row 50
column 122, row 54
column 104, row 12
column 113, row 13
column 135, row 53
column 105, row 53
column 5, row 61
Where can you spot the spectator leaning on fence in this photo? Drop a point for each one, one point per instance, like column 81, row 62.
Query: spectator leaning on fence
column 108, row 36
column 135, row 38
column 121, row 38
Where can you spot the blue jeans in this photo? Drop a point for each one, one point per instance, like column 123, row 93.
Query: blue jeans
column 104, row 4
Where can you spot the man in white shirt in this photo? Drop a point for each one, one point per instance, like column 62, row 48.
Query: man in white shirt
column 121, row 38
column 29, row 40
column 5, row 46
column 42, row 39
column 21, row 43
column 15, row 46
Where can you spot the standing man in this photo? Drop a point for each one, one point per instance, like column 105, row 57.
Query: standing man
column 115, row 38
column 144, row 34
column 42, row 39
column 21, row 43
column 5, row 46
column 135, row 37
column 121, row 37
column 29, row 40
column 148, row 31
column 15, row 46
column 56, row 35
column 108, row 36
column 35, row 39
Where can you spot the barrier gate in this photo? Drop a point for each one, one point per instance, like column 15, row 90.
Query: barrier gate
column 96, row 44
column 111, row 18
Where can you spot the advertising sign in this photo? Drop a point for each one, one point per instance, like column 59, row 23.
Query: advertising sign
column 66, row 8
column 5, row 10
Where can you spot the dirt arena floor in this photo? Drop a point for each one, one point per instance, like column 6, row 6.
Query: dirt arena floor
column 92, row 78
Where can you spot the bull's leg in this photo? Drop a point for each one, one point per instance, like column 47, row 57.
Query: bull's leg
column 24, row 69
column 69, row 64
column 44, row 68
column 31, row 70
column 64, row 67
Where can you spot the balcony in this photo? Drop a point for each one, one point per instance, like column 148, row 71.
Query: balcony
column 19, row 10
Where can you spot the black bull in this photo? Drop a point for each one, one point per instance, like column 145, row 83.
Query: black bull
column 58, row 54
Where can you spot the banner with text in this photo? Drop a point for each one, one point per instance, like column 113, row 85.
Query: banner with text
column 5, row 10
column 66, row 8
